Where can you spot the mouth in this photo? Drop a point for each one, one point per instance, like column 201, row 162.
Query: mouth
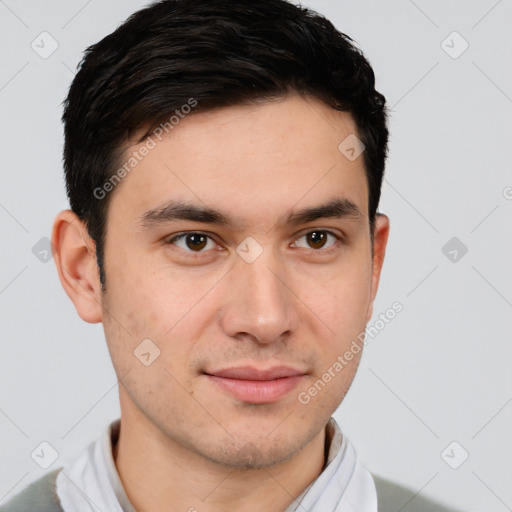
column 257, row 386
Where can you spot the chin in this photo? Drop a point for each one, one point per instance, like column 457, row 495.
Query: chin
column 255, row 448
column 251, row 456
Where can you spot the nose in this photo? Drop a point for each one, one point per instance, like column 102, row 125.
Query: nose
column 259, row 300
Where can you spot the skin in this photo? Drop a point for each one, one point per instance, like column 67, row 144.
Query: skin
column 185, row 443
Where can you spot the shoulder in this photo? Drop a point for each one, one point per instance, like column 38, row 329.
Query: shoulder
column 39, row 496
column 392, row 497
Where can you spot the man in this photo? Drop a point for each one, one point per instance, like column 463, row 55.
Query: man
column 223, row 163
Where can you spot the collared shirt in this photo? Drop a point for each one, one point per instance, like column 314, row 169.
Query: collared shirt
column 91, row 483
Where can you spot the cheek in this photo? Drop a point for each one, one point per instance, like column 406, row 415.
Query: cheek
column 158, row 293
column 146, row 304
column 148, row 301
column 144, row 356
column 155, row 317
column 339, row 296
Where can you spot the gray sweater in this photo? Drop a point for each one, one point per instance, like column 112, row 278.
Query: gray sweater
column 41, row 496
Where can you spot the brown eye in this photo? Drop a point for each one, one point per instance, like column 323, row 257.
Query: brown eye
column 195, row 241
column 191, row 242
column 316, row 239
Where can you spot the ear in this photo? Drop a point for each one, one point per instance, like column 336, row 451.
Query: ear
column 380, row 240
column 74, row 253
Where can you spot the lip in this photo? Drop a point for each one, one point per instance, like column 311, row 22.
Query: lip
column 257, row 386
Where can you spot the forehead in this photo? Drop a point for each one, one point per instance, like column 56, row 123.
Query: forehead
column 253, row 161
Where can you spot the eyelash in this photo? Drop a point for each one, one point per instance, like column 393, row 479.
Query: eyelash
column 197, row 254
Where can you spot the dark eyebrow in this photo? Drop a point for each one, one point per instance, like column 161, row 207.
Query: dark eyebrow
column 335, row 209
column 180, row 210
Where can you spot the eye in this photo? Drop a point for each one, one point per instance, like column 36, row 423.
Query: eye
column 196, row 242
column 192, row 241
column 318, row 239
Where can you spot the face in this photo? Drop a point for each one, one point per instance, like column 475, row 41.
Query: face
column 245, row 307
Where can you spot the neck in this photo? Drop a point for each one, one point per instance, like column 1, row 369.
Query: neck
column 170, row 477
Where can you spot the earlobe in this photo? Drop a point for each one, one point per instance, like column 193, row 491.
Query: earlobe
column 74, row 253
column 380, row 240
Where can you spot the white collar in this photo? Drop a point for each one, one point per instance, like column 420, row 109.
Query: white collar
column 91, row 483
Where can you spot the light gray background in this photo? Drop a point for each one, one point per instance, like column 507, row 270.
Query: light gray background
column 439, row 372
